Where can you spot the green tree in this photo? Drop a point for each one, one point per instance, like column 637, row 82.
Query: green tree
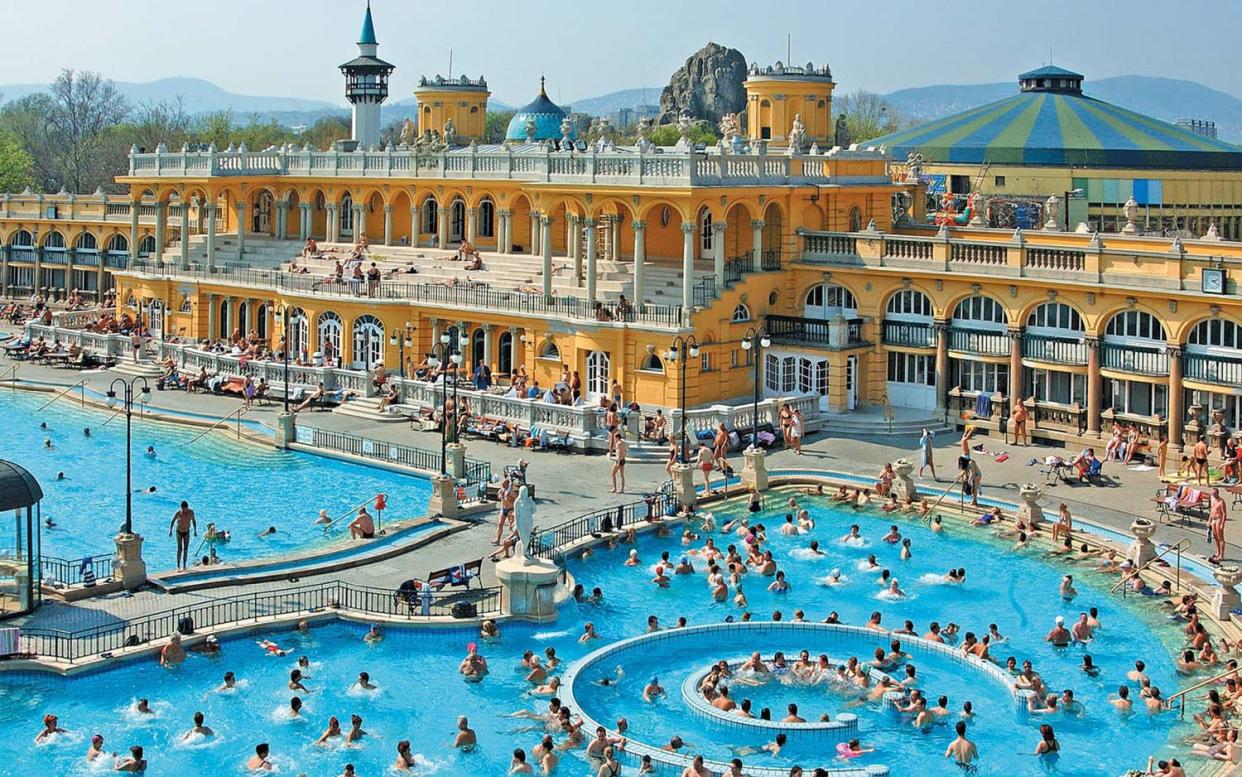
column 867, row 115
column 667, row 135
column 25, row 120
column 86, row 109
column 326, row 131
column 16, row 166
column 495, row 126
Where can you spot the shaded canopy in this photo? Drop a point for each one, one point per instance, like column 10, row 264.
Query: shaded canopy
column 18, row 488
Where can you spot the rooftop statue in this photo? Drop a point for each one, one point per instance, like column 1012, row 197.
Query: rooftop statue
column 797, row 135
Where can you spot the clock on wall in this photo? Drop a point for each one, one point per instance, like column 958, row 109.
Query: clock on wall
column 1213, row 279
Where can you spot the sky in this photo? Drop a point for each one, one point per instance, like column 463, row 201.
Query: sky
column 586, row 49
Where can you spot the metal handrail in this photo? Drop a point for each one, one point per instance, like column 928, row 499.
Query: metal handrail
column 59, row 394
column 928, row 518
column 349, row 512
column 12, row 379
column 1182, row 544
column 1182, row 693
column 238, row 412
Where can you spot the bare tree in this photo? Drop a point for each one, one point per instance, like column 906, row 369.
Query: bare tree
column 165, row 122
column 86, row 109
column 867, row 115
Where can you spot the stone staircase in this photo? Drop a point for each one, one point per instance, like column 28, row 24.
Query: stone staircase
column 368, row 408
column 261, row 252
column 868, row 421
column 147, row 369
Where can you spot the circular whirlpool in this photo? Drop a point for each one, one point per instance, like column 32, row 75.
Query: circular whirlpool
column 606, row 685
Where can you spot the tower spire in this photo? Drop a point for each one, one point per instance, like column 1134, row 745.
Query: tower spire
column 542, row 92
column 367, row 37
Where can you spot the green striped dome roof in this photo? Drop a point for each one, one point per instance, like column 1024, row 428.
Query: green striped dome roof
column 1060, row 128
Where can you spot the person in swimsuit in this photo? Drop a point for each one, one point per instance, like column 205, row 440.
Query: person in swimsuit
column 363, row 526
column 706, row 462
column 1201, row 462
column 618, row 467
column 183, row 521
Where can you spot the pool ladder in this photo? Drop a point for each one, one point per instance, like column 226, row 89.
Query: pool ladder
column 1182, row 694
column 1179, row 546
column 353, row 510
column 238, row 412
column 927, row 519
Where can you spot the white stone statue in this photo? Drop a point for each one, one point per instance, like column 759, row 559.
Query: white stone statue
column 729, row 128
column 644, row 135
column 407, row 133
column 531, row 129
column 450, row 132
column 914, row 167
column 797, row 135
column 1130, row 209
column 1051, row 205
column 524, row 515
column 684, row 125
column 567, row 131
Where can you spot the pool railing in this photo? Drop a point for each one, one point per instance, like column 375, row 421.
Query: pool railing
column 547, row 543
column 62, row 572
column 334, row 596
column 477, row 471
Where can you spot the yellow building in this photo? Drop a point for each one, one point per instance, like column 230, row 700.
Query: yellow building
column 461, row 100
column 778, row 93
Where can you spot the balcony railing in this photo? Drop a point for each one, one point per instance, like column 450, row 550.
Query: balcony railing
column 55, row 257
column 1054, row 350
column 825, row 244
column 1219, row 370
column 461, row 297
column 814, row 331
column 978, row 341
column 1128, row 358
column 909, row 333
column 770, row 260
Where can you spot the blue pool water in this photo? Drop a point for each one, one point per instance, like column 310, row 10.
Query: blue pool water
column 422, row 693
column 241, row 487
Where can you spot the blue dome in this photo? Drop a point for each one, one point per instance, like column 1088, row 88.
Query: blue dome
column 546, row 115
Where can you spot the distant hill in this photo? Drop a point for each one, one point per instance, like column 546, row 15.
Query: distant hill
column 1164, row 98
column 615, row 101
column 199, row 96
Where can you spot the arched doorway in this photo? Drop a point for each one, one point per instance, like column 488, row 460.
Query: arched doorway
column 261, row 220
column 329, row 337
column 345, row 216
column 155, row 318
column 504, row 354
column 457, row 222
column 478, row 342
column 368, row 342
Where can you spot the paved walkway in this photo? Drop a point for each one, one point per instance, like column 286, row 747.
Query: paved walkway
column 571, row 484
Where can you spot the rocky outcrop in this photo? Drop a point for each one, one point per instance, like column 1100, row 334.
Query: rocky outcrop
column 707, row 87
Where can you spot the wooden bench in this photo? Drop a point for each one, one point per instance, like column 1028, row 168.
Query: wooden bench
column 457, row 575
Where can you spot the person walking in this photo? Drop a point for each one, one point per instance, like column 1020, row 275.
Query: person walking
column 1020, row 415
column 795, row 431
column 183, row 521
column 926, row 448
column 618, row 466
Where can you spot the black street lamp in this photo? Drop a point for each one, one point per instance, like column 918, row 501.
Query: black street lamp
column 756, row 341
column 127, row 392
column 402, row 340
column 442, row 354
column 690, row 346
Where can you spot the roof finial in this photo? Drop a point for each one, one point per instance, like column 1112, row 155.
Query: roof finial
column 542, row 93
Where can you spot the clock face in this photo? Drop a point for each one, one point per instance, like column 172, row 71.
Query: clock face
column 1213, row 281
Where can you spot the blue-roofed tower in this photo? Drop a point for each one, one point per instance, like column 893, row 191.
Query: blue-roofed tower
column 366, row 84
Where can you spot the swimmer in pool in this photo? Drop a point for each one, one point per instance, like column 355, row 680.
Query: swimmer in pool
column 373, row 635
column 355, row 729
column 230, row 682
column 653, row 690
column 364, row 682
column 331, row 732
column 466, row 738
column 151, row 451
column 269, row 531
column 51, row 727
column 96, row 749
column 324, row 519
column 259, row 759
column 199, row 729
column 853, row 538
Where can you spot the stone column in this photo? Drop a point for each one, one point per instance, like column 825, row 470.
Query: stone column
column 134, row 206
column 241, row 230
column 683, row 485
column 185, row 230
column 756, row 228
column 718, row 253
column 435, row 332
column 282, row 219
column 360, row 221
column 443, row 500
column 687, row 270
column 161, row 232
column 211, row 234
column 334, row 228
column 416, row 224
column 941, row 328
column 304, row 223
column 903, row 485
column 1177, row 397
column 251, row 324
column 128, row 566
column 534, row 233
column 755, row 468
column 528, row 588
column 488, row 347
column 640, row 258
column 470, row 224
column 1029, row 511
column 213, row 308
column 506, row 232
column 1095, row 386
column 1016, row 385
column 387, row 225
column 545, row 223
column 442, row 228
column 616, row 238
column 573, row 238
column 592, row 259
column 1226, row 598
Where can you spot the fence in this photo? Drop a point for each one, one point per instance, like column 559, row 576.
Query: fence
column 477, row 471
column 237, row 610
column 547, row 543
column 65, row 572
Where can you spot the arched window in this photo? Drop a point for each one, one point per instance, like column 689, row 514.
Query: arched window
column 119, row 245
column 1215, row 335
column 345, row 215
column 706, row 239
column 87, row 242
column 908, row 305
column 1134, row 325
column 368, row 341
column 487, row 219
column 54, row 241
column 828, row 300
column 855, row 219
column 22, row 239
column 1055, row 316
column 549, row 351
column 653, row 363
column 329, row 329
column 740, row 313
column 260, row 321
column 431, row 216
column 980, row 312
column 147, row 246
column 299, row 332
column 457, row 221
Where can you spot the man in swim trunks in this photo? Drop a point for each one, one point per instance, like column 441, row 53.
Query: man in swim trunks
column 183, row 521
column 1059, row 636
column 363, row 526
column 507, row 496
column 962, row 750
